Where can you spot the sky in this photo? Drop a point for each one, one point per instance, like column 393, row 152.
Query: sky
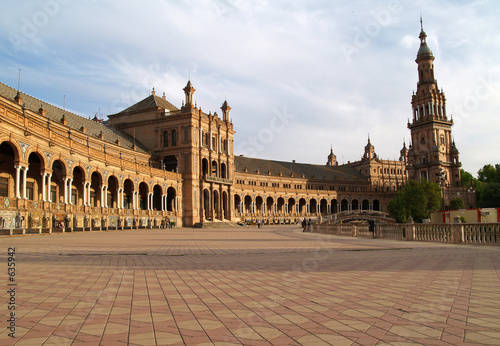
column 301, row 77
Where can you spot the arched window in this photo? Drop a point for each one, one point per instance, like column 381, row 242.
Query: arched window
column 174, row 138
column 165, row 139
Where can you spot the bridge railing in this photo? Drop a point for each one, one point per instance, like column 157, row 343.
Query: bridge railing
column 358, row 215
column 456, row 233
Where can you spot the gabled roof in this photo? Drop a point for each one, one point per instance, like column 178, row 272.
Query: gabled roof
column 332, row 173
column 150, row 102
column 74, row 121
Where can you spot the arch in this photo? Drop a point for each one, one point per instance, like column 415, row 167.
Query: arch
column 323, row 209
column 216, row 204
column 143, row 196
column 112, row 194
column 225, row 206
column 355, row 204
column 344, row 205
column 77, row 194
column 204, row 166
column 247, row 204
column 170, row 163
column 334, row 207
column 302, row 206
column 237, row 203
column 280, row 205
column 157, row 197
column 291, row 205
column 8, row 155
column 13, row 147
column 214, row 168
column 376, row 205
column 258, row 204
column 313, row 206
column 34, row 177
column 206, row 204
column 269, row 205
column 171, row 195
column 174, row 138
column 365, row 205
column 57, row 185
column 165, row 139
column 128, row 194
column 223, row 171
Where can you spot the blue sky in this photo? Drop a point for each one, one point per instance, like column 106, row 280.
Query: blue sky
column 300, row 76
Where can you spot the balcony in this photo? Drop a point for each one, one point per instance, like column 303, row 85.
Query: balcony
column 217, row 180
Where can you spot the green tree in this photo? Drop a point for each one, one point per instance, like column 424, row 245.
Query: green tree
column 466, row 178
column 415, row 199
column 457, row 203
column 490, row 196
column 489, row 174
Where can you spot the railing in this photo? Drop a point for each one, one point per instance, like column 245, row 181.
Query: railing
column 218, row 180
column 487, row 233
column 431, row 232
column 457, row 233
column 391, row 231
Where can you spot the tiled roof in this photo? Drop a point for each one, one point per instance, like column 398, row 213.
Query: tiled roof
column 309, row 171
column 74, row 121
column 150, row 102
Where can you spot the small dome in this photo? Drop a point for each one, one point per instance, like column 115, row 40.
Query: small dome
column 424, row 51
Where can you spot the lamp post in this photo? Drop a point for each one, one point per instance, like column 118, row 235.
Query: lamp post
column 441, row 177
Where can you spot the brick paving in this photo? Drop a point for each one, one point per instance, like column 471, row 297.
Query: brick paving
column 269, row 286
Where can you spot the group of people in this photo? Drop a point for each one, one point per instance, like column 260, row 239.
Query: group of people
column 306, row 225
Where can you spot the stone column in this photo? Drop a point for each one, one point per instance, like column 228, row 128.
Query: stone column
column 49, row 188
column 88, row 195
column 410, row 229
column 120, row 199
column 105, row 200
column 70, row 190
column 18, row 181
column 457, row 231
column 44, row 186
column 25, row 176
column 85, row 194
column 102, row 196
column 65, row 190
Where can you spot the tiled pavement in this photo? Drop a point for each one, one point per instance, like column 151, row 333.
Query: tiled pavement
column 274, row 285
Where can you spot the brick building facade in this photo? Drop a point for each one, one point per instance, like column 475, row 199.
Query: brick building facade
column 154, row 162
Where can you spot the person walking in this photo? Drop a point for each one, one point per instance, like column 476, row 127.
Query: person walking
column 309, row 225
column 304, row 225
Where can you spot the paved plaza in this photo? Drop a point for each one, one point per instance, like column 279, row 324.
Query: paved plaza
column 250, row 286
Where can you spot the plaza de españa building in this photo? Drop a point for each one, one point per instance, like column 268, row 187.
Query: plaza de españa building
column 155, row 163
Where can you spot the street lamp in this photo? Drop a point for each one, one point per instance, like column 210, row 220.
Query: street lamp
column 441, row 177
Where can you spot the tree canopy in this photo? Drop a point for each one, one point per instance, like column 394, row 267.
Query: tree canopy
column 416, row 199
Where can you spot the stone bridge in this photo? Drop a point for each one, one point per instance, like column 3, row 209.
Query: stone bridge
column 359, row 215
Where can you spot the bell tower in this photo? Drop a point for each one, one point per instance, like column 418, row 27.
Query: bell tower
column 432, row 150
